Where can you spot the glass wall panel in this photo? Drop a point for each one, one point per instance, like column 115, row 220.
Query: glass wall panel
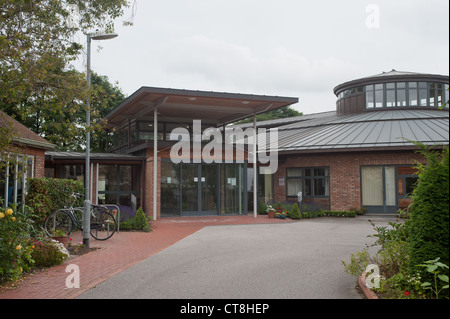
column 3, row 188
column 75, row 172
column 119, row 185
column 372, row 186
column 446, row 93
column 232, row 189
column 413, row 94
column 390, row 95
column 312, row 182
column 432, row 94
column 390, row 186
column 423, row 94
column 170, row 189
column 294, row 186
column 13, row 176
column 189, row 184
column 107, row 178
column 440, row 95
column 379, row 96
column 209, row 188
column 370, row 97
column 401, row 94
column 146, row 131
column 266, row 188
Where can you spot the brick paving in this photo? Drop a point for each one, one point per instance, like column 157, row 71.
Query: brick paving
column 120, row 252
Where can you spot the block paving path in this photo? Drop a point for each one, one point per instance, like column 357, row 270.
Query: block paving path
column 120, row 252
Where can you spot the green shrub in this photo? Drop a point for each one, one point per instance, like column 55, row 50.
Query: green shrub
column 333, row 213
column 358, row 263
column 47, row 195
column 295, row 212
column 262, row 208
column 139, row 222
column 429, row 223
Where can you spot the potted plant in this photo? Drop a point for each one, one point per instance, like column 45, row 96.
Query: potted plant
column 283, row 215
column 60, row 236
column 270, row 211
column 279, row 208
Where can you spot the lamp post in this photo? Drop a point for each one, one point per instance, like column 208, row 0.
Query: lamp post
column 87, row 201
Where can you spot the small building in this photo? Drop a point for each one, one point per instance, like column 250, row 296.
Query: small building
column 24, row 159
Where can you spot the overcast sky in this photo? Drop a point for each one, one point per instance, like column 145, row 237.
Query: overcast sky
column 290, row 48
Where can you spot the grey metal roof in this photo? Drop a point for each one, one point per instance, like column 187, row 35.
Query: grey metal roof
column 393, row 75
column 94, row 156
column 218, row 108
column 387, row 128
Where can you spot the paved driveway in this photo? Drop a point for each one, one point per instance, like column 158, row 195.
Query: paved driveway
column 300, row 260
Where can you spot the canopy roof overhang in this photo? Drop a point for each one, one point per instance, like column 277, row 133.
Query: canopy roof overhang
column 183, row 105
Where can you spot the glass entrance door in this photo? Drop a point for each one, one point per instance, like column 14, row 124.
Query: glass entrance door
column 189, row 191
column 209, row 186
column 378, row 185
column 199, row 189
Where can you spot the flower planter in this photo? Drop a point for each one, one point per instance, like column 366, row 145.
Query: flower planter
column 62, row 239
column 282, row 216
column 271, row 214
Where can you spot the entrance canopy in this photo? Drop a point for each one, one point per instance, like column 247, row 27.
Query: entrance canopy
column 211, row 107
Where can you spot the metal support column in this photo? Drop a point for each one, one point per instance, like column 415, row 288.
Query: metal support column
column 255, row 168
column 155, row 163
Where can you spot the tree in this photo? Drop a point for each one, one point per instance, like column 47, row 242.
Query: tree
column 38, row 41
column 281, row 113
column 106, row 97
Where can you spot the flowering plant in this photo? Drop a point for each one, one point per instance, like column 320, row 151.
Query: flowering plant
column 49, row 253
column 270, row 208
column 15, row 250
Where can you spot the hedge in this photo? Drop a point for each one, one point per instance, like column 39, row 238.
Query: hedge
column 46, row 195
column 429, row 223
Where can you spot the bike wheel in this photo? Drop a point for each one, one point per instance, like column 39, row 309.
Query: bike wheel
column 103, row 224
column 58, row 221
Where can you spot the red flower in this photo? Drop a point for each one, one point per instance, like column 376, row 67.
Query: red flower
column 406, row 293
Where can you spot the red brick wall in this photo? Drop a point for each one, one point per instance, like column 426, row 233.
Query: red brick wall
column 345, row 168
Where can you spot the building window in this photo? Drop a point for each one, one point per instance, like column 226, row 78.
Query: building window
column 312, row 182
column 403, row 94
column 75, row 172
column 412, row 89
column 119, row 185
column 13, row 179
column 423, row 94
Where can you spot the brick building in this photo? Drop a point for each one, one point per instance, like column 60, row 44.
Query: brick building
column 359, row 155
column 24, row 159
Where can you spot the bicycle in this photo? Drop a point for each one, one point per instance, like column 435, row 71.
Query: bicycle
column 103, row 223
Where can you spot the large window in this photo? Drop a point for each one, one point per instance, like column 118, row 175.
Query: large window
column 13, row 178
column 119, row 185
column 378, row 189
column 312, row 182
column 404, row 94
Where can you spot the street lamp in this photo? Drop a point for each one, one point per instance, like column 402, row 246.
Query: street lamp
column 87, row 203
